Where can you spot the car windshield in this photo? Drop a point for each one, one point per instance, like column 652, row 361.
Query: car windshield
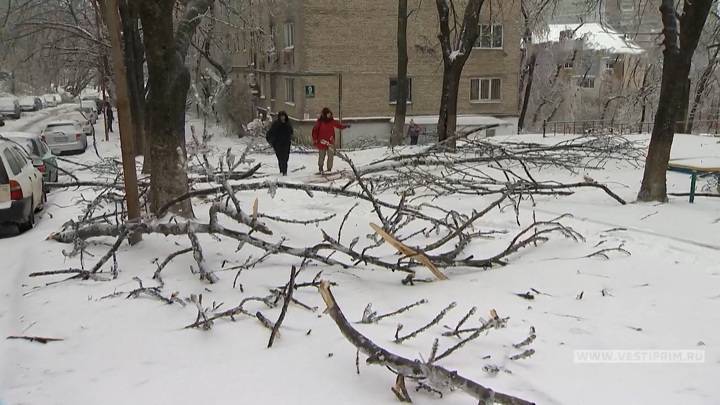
column 61, row 128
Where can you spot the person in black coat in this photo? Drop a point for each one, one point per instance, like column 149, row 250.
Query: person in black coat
column 110, row 117
column 279, row 136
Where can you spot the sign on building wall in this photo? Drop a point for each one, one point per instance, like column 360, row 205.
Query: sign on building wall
column 309, row 91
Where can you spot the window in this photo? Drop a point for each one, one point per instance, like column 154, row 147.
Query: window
column 289, row 35
column 610, row 64
column 485, row 90
column 586, row 82
column 272, row 88
column 289, row 90
column 13, row 161
column 491, row 36
column 394, row 90
column 627, row 6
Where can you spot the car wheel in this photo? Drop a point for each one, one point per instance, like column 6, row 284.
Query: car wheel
column 29, row 222
column 43, row 201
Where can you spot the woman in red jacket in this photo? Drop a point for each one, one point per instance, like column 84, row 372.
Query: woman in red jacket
column 323, row 135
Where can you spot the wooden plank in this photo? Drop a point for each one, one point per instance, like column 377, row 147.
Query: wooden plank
column 408, row 252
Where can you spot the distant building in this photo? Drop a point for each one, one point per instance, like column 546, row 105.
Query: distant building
column 592, row 63
column 639, row 20
column 342, row 54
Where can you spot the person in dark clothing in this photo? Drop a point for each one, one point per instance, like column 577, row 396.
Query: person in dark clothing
column 279, row 136
column 110, row 117
column 414, row 131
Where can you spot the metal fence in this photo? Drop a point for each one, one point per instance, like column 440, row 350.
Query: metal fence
column 622, row 128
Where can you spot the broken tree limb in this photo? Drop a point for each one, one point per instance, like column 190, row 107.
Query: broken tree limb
column 414, row 369
column 287, row 298
column 205, row 273
column 408, row 252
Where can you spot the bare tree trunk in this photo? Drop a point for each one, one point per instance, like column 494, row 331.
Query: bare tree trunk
column 527, row 91
column 169, row 80
column 677, row 58
column 402, row 79
column 682, row 105
column 456, row 52
column 447, row 121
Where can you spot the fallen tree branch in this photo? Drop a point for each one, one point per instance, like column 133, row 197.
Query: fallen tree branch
column 205, row 273
column 286, row 303
column 36, row 339
column 435, row 321
column 414, row 369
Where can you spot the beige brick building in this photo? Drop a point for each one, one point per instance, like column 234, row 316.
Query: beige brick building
column 308, row 54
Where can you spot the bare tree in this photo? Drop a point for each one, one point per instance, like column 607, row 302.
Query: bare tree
column 711, row 37
column 456, row 42
column 402, row 78
column 166, row 48
column 681, row 38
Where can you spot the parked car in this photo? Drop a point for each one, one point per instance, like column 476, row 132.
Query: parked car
column 50, row 100
column 21, row 187
column 87, row 127
column 95, row 99
column 65, row 136
column 88, row 109
column 10, row 107
column 27, row 103
column 39, row 152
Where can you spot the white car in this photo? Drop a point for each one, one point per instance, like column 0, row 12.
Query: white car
column 65, row 136
column 10, row 107
column 21, row 187
column 50, row 100
column 27, row 103
column 88, row 110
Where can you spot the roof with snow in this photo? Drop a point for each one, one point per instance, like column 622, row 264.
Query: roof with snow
column 598, row 37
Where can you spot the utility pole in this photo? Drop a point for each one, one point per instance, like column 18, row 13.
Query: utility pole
column 112, row 18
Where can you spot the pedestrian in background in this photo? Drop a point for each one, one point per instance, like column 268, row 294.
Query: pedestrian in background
column 279, row 136
column 109, row 116
column 414, row 131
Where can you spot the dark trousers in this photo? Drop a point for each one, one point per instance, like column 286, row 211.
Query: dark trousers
column 110, row 122
column 282, row 152
column 413, row 140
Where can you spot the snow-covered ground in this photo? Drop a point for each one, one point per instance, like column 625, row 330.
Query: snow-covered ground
column 665, row 296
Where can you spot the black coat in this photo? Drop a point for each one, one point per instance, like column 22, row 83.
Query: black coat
column 279, row 135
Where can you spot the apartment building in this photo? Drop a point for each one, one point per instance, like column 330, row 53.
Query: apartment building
column 308, row 54
column 638, row 20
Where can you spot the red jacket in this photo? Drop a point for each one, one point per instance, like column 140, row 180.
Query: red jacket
column 324, row 132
